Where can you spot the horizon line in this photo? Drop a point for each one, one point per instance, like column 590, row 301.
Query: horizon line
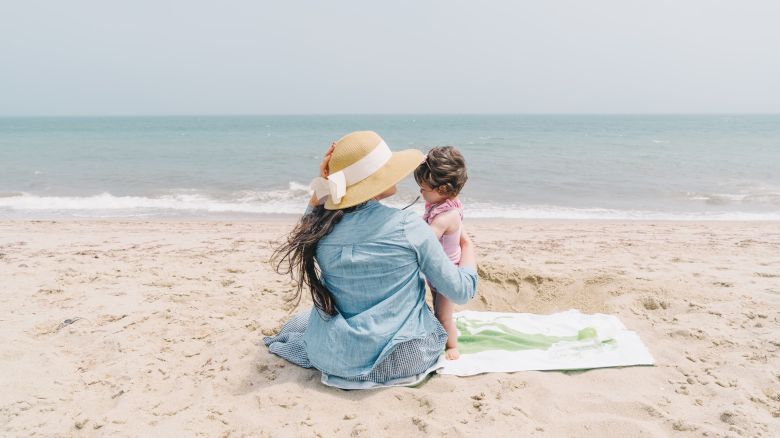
column 43, row 116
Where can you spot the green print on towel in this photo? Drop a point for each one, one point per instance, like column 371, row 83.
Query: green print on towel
column 502, row 337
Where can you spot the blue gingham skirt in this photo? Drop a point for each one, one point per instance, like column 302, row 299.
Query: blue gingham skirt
column 408, row 359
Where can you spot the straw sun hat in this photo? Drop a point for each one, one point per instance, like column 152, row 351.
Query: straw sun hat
column 361, row 167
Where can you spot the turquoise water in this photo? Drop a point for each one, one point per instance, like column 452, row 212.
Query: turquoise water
column 623, row 167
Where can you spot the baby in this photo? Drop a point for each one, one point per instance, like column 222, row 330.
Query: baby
column 441, row 177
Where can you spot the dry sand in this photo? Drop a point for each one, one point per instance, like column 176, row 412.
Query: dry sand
column 167, row 319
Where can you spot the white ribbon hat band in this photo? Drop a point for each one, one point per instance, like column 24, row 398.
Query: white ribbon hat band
column 336, row 184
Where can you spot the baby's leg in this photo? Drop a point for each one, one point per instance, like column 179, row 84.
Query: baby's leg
column 443, row 309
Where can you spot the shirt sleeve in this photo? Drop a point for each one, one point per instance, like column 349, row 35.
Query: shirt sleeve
column 459, row 285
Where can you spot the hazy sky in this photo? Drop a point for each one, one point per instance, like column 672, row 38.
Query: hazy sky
column 279, row 57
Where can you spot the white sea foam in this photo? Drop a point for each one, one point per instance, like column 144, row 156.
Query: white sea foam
column 288, row 201
column 292, row 201
column 108, row 202
column 754, row 196
column 556, row 212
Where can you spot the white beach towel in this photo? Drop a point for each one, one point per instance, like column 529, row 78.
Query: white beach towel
column 508, row 342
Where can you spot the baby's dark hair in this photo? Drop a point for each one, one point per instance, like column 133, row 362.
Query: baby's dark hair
column 444, row 170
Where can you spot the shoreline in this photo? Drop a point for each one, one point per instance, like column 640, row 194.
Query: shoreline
column 283, row 217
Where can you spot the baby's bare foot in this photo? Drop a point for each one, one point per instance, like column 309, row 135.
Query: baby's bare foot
column 452, row 354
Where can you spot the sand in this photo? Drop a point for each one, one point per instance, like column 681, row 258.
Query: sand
column 133, row 328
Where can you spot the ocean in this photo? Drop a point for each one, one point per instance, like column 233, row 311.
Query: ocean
column 643, row 167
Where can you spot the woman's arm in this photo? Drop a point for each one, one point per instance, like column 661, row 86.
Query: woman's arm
column 457, row 284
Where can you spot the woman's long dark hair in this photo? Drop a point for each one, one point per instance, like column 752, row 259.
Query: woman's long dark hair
column 296, row 256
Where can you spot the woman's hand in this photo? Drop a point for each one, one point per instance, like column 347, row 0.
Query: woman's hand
column 465, row 239
column 468, row 255
column 324, row 172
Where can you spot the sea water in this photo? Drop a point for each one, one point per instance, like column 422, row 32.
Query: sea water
column 680, row 167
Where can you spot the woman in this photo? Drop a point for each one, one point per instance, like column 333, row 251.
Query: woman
column 364, row 263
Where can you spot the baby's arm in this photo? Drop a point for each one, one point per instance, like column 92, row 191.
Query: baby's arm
column 445, row 223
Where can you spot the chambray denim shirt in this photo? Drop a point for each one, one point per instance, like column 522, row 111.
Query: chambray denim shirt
column 374, row 262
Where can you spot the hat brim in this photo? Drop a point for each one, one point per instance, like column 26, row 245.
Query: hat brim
column 400, row 164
